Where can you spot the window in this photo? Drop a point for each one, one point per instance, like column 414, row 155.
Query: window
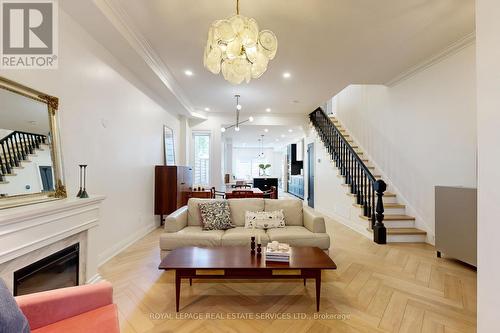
column 201, row 142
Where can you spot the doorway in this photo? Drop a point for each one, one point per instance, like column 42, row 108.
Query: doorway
column 310, row 175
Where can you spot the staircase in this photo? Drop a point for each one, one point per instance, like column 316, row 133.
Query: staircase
column 384, row 216
column 15, row 149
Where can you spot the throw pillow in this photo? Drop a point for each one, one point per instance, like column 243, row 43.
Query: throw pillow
column 11, row 317
column 265, row 220
column 215, row 215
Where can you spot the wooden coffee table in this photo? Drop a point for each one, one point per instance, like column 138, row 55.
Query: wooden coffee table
column 236, row 262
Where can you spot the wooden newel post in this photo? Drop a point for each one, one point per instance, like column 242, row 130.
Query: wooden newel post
column 379, row 231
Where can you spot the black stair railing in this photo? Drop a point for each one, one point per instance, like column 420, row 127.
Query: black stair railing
column 367, row 190
column 15, row 148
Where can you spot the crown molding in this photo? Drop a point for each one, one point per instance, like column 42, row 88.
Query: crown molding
column 119, row 18
column 436, row 58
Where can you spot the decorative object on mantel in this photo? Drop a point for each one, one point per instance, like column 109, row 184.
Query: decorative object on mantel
column 238, row 122
column 259, row 250
column 236, row 47
column 81, row 182
column 83, row 171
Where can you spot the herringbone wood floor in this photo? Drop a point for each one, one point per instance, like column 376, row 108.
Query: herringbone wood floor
column 379, row 288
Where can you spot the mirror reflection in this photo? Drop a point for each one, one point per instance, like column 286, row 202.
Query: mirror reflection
column 26, row 165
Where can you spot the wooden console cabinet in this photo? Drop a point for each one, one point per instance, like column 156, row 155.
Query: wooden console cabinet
column 171, row 185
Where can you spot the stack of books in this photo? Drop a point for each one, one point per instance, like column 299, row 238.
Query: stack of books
column 278, row 252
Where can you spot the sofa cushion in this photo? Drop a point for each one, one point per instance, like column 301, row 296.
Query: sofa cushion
column 240, row 206
column 194, row 217
column 264, row 220
column 190, row 236
column 215, row 215
column 241, row 236
column 103, row 319
column 299, row 236
column 292, row 209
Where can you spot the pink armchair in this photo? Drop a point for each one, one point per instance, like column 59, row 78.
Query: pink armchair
column 87, row 308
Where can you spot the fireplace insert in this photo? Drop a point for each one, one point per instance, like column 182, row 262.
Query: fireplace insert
column 58, row 270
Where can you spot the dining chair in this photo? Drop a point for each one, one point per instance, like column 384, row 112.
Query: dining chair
column 214, row 193
column 272, row 193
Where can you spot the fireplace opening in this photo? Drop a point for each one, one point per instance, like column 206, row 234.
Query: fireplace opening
column 58, row 270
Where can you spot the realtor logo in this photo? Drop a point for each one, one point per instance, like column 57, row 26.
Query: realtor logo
column 29, row 34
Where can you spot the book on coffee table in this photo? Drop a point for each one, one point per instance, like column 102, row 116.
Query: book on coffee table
column 281, row 253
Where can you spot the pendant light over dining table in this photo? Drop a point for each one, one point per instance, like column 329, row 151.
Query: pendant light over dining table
column 237, row 48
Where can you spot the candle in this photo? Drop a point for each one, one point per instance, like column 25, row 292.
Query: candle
column 258, row 239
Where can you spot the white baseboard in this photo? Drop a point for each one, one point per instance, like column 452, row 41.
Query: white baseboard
column 94, row 279
column 356, row 226
column 123, row 244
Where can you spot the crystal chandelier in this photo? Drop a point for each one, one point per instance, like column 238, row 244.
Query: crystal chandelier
column 236, row 47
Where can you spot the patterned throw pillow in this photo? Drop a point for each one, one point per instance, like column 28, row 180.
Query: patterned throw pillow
column 265, row 220
column 215, row 215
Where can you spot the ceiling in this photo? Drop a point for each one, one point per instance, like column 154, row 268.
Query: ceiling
column 19, row 113
column 276, row 136
column 324, row 44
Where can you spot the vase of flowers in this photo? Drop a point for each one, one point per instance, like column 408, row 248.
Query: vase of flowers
column 263, row 169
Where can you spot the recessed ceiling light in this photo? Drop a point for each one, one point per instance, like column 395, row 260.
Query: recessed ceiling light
column 290, row 130
column 266, row 130
column 268, row 110
column 250, row 119
column 207, row 109
column 282, row 135
column 277, row 140
column 287, row 75
column 188, row 72
column 222, row 129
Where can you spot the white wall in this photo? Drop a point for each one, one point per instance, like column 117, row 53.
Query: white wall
column 488, row 120
column 420, row 132
column 4, row 133
column 251, row 155
column 109, row 124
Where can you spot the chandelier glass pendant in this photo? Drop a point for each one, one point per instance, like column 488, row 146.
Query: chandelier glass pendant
column 237, row 48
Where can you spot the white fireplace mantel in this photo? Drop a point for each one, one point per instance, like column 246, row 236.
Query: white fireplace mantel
column 28, row 230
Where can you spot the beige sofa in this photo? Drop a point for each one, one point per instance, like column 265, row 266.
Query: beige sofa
column 303, row 226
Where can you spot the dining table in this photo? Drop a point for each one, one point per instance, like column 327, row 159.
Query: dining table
column 257, row 192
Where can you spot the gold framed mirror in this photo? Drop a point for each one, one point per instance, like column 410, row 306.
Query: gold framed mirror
column 30, row 155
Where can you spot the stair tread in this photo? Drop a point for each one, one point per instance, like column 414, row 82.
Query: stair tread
column 405, row 231
column 339, row 175
column 386, row 194
column 386, row 205
column 393, row 217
